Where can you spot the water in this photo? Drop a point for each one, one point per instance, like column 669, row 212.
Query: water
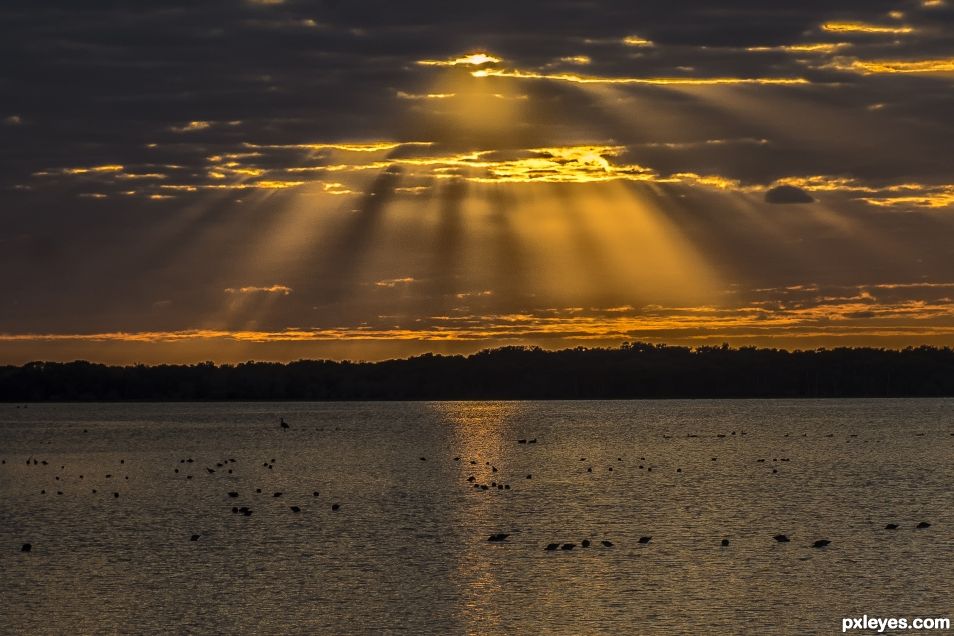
column 407, row 551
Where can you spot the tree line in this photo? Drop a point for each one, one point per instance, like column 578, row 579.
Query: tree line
column 634, row 370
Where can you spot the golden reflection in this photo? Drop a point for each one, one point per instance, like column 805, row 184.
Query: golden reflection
column 481, row 431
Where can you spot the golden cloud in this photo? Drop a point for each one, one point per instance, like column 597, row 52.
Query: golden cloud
column 873, row 67
column 394, row 282
column 414, row 96
column 635, row 40
column 660, row 81
column 474, row 59
column 858, row 312
column 284, row 290
column 865, row 28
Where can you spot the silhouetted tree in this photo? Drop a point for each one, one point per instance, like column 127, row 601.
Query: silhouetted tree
column 634, row 370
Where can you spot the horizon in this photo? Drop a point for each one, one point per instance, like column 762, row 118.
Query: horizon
column 490, row 350
column 381, row 181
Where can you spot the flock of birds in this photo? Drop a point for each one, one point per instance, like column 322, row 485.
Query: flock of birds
column 247, row 511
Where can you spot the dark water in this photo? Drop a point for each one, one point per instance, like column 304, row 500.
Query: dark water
column 407, row 551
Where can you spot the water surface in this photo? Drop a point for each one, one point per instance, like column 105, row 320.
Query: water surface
column 407, row 551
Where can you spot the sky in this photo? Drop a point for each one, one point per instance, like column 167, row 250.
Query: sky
column 235, row 179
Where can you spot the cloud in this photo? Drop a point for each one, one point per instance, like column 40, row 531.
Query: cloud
column 635, row 40
column 13, row 120
column 787, row 194
column 673, row 80
column 474, row 59
column 874, row 67
column 864, row 28
column 283, row 290
column 395, row 282
column 196, row 126
column 403, row 95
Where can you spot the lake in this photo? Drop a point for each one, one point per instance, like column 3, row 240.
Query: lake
column 407, row 550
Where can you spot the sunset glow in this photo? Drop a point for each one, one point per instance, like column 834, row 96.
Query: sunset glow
column 376, row 193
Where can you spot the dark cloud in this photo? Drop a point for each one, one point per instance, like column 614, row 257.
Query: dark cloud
column 787, row 194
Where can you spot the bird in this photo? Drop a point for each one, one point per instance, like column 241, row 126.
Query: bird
column 567, row 546
column 891, row 526
column 585, row 543
column 26, row 547
column 821, row 543
column 725, row 542
column 277, row 494
column 607, row 544
column 315, row 494
column 781, row 538
column 552, row 546
column 923, row 524
column 521, row 441
column 295, row 509
column 532, row 441
column 335, row 506
column 195, row 537
column 284, row 424
column 645, row 540
column 233, row 494
column 498, row 537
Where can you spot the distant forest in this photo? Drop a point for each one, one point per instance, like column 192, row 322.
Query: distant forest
column 631, row 371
